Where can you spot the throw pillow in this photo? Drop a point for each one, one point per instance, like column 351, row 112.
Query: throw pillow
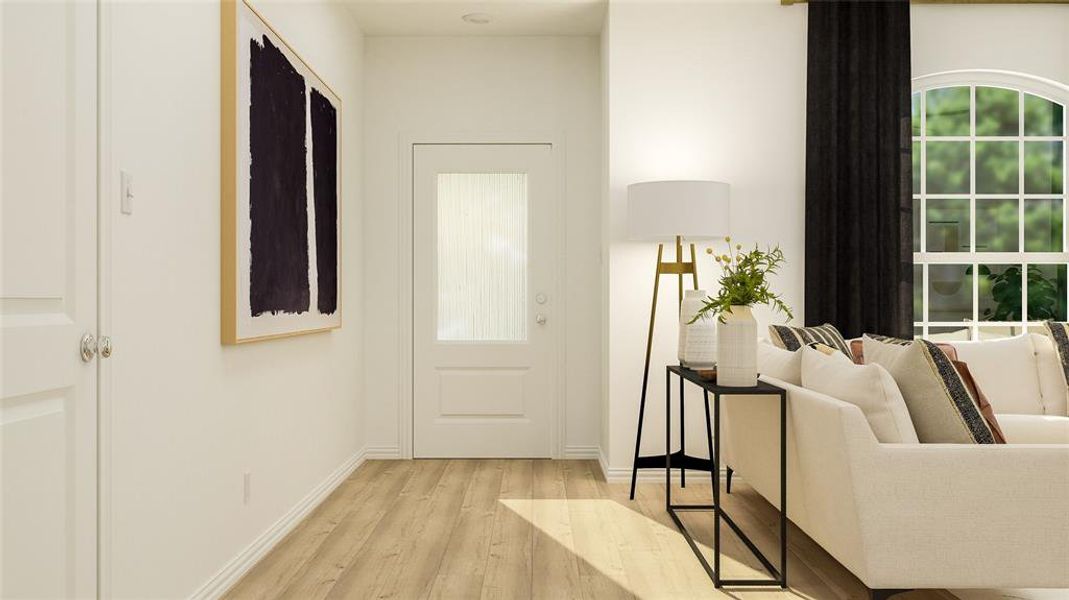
column 1052, row 384
column 1008, row 371
column 981, row 401
column 1059, row 334
column 883, row 349
column 779, row 363
column 940, row 404
column 794, row 338
column 869, row 387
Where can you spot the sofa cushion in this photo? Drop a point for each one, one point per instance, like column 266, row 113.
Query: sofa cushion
column 1051, row 379
column 779, row 363
column 794, row 338
column 939, row 403
column 1007, row 371
column 869, row 387
column 1036, row 429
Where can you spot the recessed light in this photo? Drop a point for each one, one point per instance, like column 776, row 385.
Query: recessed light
column 477, row 18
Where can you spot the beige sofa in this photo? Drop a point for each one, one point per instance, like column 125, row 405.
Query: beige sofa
column 913, row 516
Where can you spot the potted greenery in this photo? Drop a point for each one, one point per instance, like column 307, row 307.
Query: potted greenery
column 743, row 284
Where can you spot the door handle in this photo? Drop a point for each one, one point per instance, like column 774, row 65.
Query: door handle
column 540, row 319
column 88, row 347
column 105, row 346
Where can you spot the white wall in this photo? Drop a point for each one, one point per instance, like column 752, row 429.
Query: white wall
column 1027, row 39
column 696, row 91
column 444, row 85
column 189, row 416
column 716, row 90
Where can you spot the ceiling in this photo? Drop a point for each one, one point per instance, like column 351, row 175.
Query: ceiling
column 507, row 17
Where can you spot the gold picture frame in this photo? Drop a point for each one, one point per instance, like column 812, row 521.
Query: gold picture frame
column 240, row 322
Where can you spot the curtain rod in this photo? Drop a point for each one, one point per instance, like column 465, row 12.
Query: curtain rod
column 790, row 2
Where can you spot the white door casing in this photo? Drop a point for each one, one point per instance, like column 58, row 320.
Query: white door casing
column 48, row 301
column 485, row 338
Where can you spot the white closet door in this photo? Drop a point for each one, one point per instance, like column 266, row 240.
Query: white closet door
column 48, row 287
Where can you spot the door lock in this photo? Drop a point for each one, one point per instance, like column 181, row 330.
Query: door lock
column 88, row 347
column 540, row 319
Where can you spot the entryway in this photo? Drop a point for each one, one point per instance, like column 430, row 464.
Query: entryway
column 485, row 292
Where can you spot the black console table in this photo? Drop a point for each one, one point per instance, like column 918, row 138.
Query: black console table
column 779, row 576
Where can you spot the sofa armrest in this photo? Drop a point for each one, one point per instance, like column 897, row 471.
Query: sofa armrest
column 1034, row 429
column 948, row 515
column 930, row 515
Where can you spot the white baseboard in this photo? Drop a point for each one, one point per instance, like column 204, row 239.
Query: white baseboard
column 623, row 474
column 581, row 452
column 382, row 452
column 247, row 558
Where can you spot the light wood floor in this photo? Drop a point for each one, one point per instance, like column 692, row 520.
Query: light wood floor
column 515, row 529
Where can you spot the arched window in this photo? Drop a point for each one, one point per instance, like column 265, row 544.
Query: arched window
column 989, row 204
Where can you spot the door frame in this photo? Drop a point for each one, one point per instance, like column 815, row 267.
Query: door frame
column 106, row 188
column 405, row 223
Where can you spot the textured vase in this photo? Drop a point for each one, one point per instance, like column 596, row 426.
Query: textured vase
column 736, row 362
column 697, row 340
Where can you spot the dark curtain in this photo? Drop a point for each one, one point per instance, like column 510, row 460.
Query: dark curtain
column 858, row 192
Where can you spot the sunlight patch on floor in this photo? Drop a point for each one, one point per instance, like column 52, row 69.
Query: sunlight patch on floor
column 639, row 554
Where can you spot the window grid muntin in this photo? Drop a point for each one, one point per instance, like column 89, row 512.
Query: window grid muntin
column 924, row 258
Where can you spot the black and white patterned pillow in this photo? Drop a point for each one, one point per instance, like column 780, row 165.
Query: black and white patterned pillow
column 793, row 338
column 941, row 406
column 1059, row 334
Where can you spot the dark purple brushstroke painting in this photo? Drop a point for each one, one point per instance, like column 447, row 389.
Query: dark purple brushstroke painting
column 325, row 181
column 278, row 198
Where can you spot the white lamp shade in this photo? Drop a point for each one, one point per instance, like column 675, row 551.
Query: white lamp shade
column 661, row 210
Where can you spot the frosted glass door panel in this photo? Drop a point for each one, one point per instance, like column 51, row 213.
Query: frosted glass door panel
column 482, row 257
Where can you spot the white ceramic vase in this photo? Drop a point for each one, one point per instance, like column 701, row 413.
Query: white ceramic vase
column 697, row 340
column 736, row 362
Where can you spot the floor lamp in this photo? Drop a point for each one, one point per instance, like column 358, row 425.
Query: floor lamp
column 662, row 211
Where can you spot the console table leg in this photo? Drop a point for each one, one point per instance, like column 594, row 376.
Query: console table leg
column 668, row 440
column 682, row 436
column 714, row 473
column 716, row 494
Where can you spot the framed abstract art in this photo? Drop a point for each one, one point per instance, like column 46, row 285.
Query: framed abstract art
column 281, row 186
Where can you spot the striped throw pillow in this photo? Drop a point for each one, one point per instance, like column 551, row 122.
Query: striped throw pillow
column 941, row 405
column 1059, row 334
column 793, row 338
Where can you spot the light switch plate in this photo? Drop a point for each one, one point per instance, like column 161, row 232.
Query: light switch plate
column 126, row 205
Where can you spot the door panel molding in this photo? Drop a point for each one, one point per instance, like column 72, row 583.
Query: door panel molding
column 407, row 142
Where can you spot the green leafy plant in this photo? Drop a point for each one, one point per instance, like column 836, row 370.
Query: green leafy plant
column 1006, row 292
column 744, row 281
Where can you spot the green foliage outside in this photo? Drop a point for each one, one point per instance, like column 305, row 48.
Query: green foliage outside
column 1003, row 168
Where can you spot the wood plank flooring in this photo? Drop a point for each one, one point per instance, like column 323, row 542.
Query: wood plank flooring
column 518, row 529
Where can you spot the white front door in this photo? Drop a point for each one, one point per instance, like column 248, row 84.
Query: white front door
column 48, row 287
column 484, row 291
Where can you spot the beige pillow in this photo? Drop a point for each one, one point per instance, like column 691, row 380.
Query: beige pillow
column 939, row 403
column 881, row 353
column 1008, row 372
column 779, row 363
column 1052, row 384
column 869, row 387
